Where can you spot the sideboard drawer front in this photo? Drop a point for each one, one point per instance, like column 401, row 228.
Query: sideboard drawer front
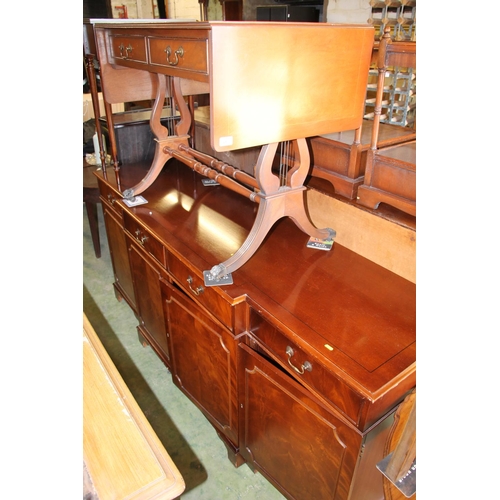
column 205, row 296
column 180, row 54
column 145, row 239
column 129, row 48
column 318, row 378
column 110, row 197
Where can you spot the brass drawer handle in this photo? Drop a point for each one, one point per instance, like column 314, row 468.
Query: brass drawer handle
column 196, row 291
column 178, row 53
column 306, row 366
column 111, row 199
column 126, row 49
column 142, row 239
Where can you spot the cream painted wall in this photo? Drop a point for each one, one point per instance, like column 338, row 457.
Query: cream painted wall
column 347, row 11
column 183, row 9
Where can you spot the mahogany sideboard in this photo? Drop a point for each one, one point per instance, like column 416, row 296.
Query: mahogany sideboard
column 299, row 364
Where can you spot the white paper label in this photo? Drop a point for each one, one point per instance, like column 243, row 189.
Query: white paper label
column 226, row 141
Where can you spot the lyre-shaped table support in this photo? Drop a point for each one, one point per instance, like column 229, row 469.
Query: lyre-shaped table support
column 162, row 137
column 276, row 201
column 278, row 196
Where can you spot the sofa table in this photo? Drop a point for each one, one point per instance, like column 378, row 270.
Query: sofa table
column 269, row 84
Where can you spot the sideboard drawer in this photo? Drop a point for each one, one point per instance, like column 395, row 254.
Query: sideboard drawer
column 147, row 241
column 205, row 296
column 129, row 48
column 110, row 197
column 310, row 372
column 179, row 53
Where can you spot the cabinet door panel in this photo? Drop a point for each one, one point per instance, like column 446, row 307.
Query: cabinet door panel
column 149, row 302
column 203, row 360
column 289, row 437
column 119, row 257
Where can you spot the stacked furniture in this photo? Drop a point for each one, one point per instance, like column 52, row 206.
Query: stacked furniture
column 390, row 175
column 340, row 158
column 399, row 16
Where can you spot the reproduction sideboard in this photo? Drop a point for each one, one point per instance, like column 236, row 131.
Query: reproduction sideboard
column 300, row 363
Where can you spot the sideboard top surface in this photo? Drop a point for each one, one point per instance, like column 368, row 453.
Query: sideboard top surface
column 339, row 299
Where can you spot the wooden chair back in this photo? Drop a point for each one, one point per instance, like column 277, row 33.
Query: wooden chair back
column 390, row 53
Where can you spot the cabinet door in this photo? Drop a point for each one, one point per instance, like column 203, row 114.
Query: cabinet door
column 203, row 360
column 300, row 446
column 146, row 278
column 119, row 257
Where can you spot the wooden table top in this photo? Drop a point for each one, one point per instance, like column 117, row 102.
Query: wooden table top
column 122, row 454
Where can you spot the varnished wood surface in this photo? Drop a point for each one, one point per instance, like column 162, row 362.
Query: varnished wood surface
column 401, row 421
column 365, row 312
column 403, row 152
column 299, row 79
column 123, row 455
column 387, row 135
column 116, row 80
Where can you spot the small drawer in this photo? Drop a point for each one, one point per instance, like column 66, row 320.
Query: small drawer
column 311, row 374
column 145, row 239
column 205, row 296
column 110, row 197
column 179, row 53
column 129, row 48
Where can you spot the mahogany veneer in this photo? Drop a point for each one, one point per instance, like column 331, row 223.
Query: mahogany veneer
column 228, row 348
column 391, row 178
column 341, row 160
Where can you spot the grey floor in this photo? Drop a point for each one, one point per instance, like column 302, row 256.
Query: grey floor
column 186, row 434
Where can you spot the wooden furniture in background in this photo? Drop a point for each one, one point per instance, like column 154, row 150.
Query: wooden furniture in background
column 91, row 198
column 244, row 159
column 390, row 175
column 122, row 453
column 299, row 365
column 232, row 10
column 340, row 158
column 401, row 447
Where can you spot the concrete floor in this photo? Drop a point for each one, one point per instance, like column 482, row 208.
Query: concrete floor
column 186, row 434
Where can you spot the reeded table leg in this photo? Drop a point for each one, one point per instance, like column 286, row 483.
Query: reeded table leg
column 277, row 198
